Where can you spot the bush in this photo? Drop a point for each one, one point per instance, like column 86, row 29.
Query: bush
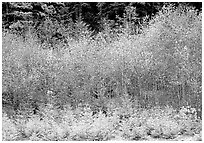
column 9, row 130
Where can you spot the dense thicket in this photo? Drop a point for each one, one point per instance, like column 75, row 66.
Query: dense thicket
column 103, row 54
column 101, row 71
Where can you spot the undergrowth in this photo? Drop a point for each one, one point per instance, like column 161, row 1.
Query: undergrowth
column 164, row 123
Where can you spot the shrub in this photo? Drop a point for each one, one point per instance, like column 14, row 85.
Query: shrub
column 9, row 130
column 44, row 129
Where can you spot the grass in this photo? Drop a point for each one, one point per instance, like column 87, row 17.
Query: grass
column 92, row 88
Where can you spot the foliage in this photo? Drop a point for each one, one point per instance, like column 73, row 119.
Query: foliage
column 109, row 65
column 74, row 125
column 9, row 130
column 116, row 84
column 22, row 16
